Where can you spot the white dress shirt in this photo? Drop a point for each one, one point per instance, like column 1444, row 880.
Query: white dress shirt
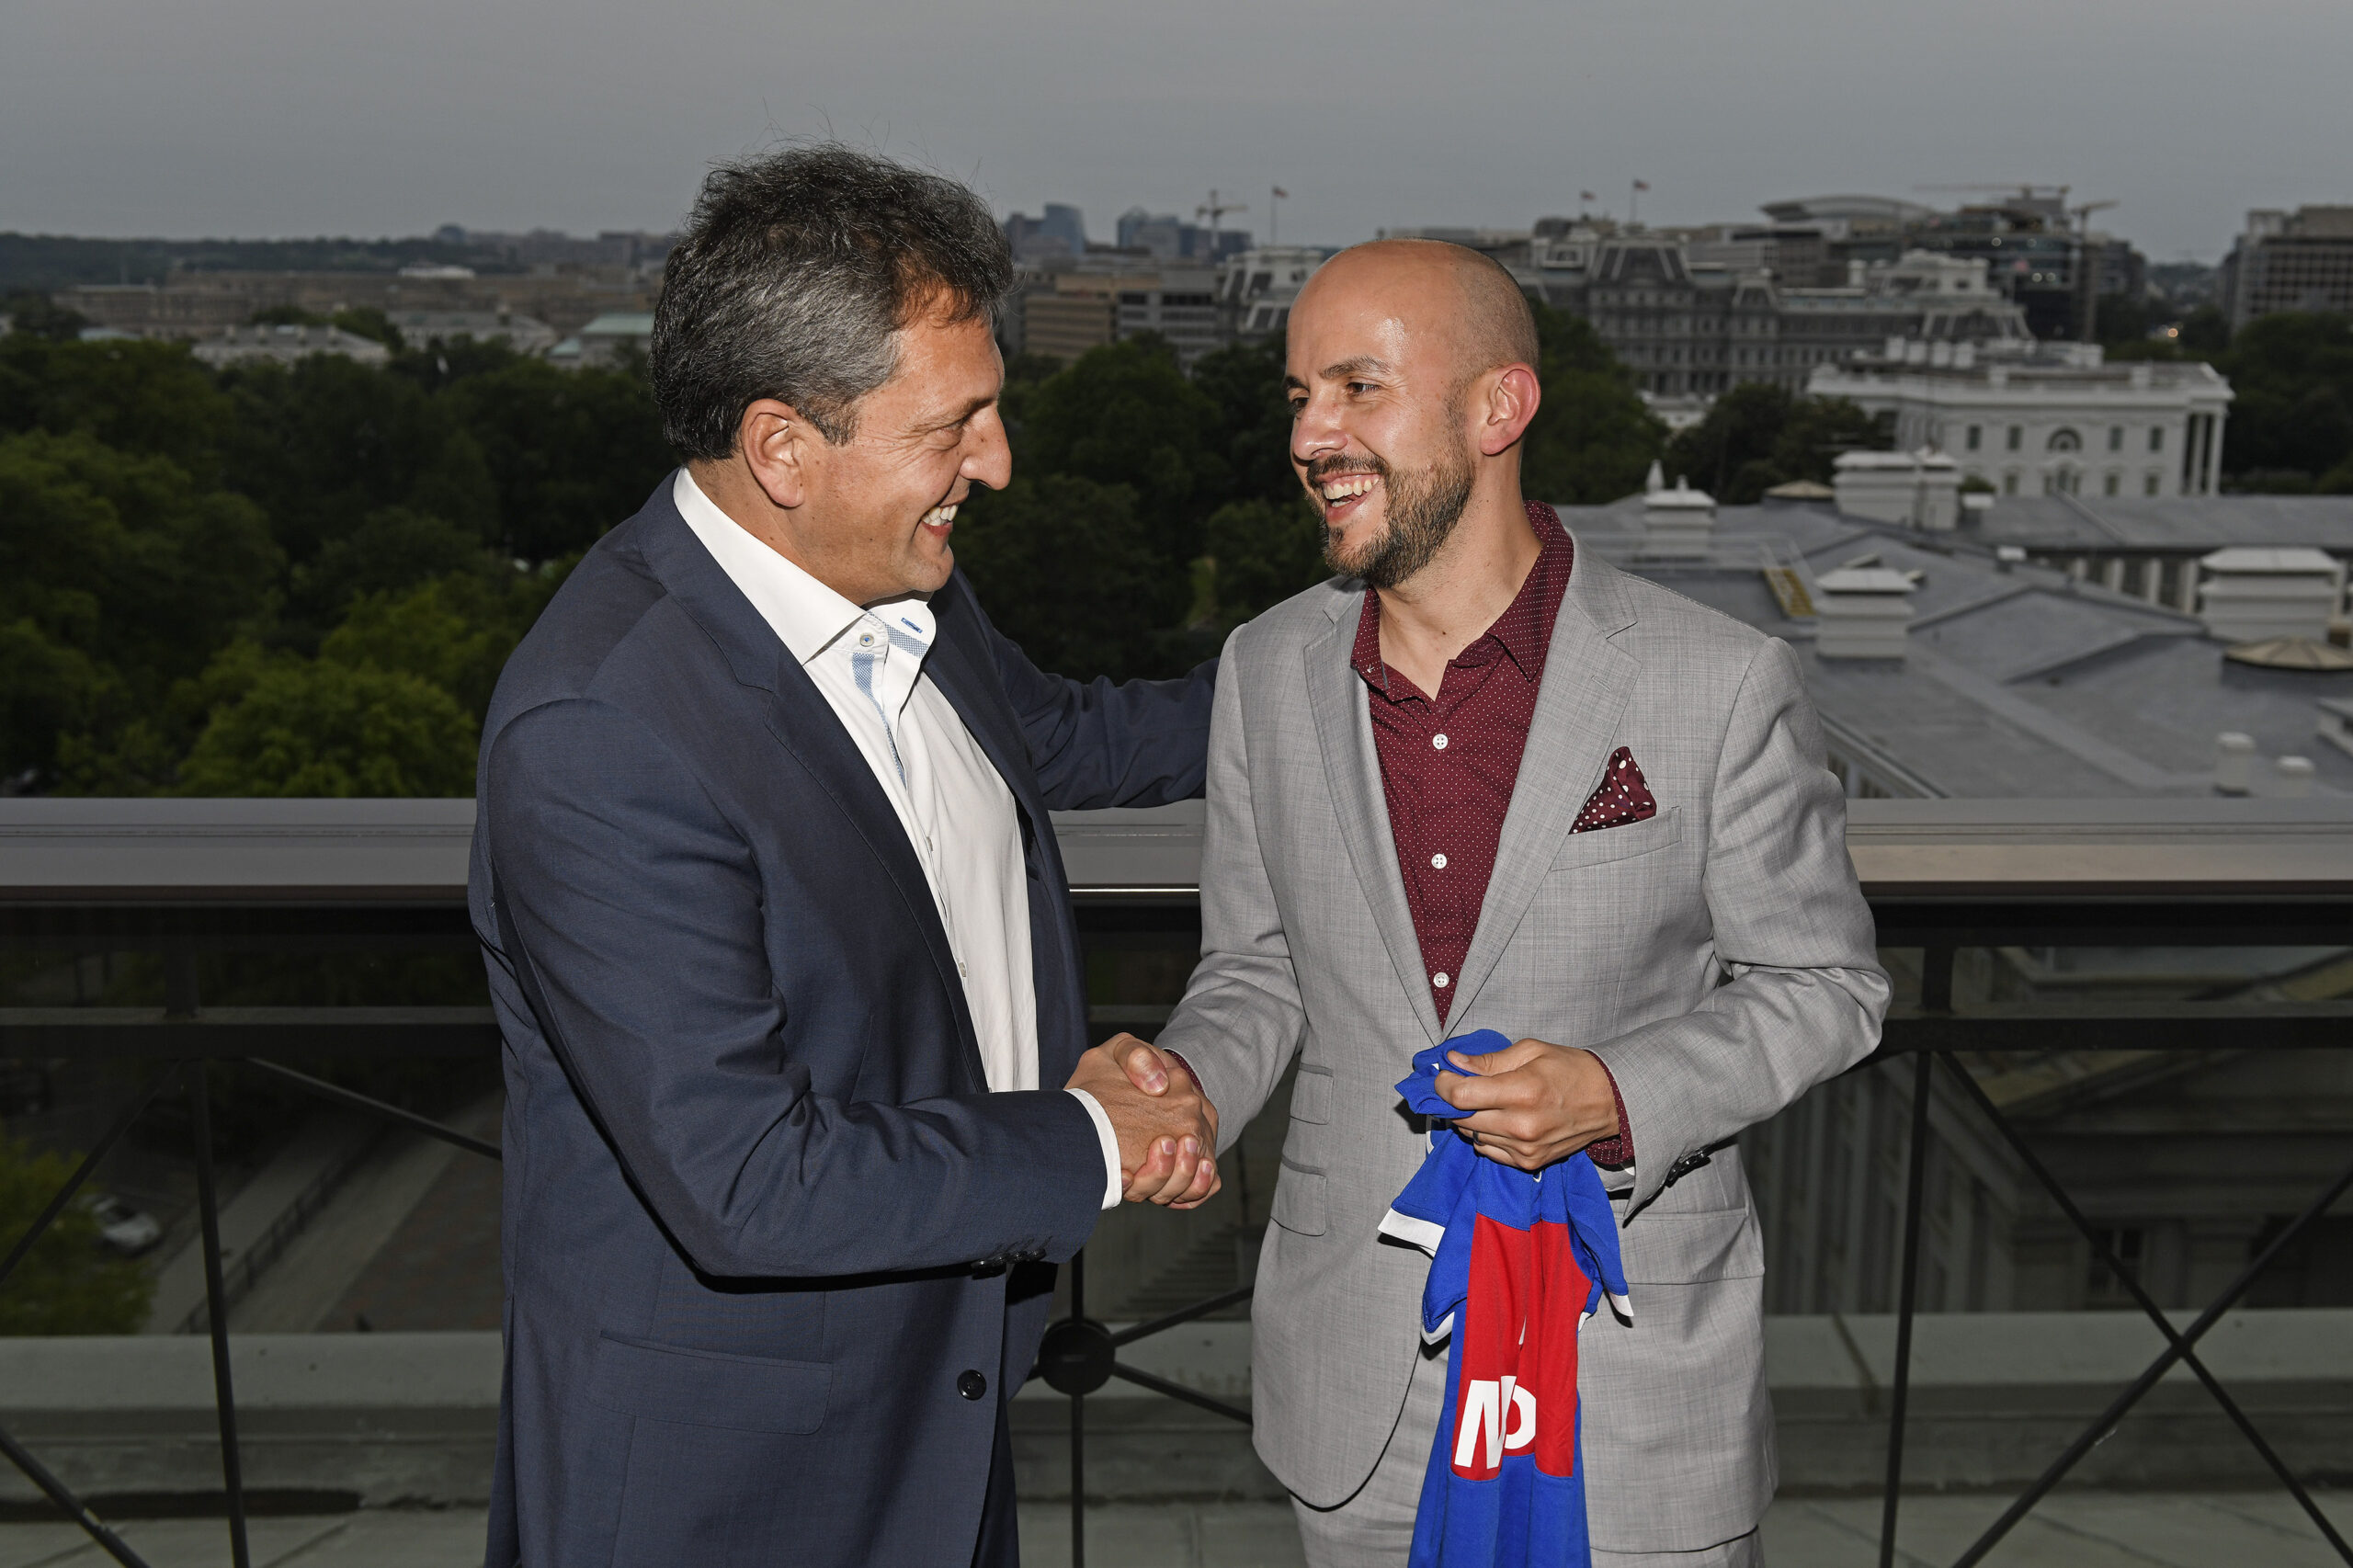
column 958, row 814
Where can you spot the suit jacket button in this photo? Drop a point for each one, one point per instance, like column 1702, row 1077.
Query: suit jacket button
column 970, row 1384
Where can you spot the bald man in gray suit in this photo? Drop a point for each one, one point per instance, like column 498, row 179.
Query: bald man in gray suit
column 1482, row 779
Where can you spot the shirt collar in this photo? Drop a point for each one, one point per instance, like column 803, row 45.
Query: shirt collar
column 807, row 617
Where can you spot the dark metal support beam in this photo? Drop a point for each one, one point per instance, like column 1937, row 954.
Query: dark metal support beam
column 98, row 1152
column 216, row 1302
column 78, row 1511
column 1936, row 990
column 374, row 1106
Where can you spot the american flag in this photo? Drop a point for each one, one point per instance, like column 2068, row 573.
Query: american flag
column 1281, row 194
column 1588, row 196
column 1641, row 185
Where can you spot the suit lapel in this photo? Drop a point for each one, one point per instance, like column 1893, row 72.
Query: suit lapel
column 800, row 719
column 1351, row 767
column 1586, row 685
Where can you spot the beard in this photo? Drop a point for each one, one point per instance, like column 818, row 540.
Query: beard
column 1423, row 508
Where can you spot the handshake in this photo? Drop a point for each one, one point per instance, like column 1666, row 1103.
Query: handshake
column 1166, row 1127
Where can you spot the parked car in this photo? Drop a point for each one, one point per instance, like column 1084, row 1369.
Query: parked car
column 127, row 1230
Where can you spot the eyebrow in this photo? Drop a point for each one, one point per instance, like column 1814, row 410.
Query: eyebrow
column 1361, row 365
column 970, row 409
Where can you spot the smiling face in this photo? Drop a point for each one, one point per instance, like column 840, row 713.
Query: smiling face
column 872, row 518
column 1381, row 433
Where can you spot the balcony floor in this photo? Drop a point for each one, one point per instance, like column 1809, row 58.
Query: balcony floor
column 2084, row 1529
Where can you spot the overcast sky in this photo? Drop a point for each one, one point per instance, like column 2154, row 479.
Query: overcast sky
column 272, row 118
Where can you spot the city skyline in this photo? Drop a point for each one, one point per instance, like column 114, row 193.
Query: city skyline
column 126, row 118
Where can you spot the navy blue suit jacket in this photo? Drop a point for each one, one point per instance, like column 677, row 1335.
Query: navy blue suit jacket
column 752, row 1162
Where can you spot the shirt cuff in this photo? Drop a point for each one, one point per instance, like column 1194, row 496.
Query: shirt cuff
column 1110, row 1142
column 1617, row 1148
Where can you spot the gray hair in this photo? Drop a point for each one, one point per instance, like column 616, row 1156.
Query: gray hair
column 795, row 276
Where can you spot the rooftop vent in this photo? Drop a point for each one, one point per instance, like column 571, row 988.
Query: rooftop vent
column 2233, row 763
column 1863, row 612
column 2252, row 593
column 1919, row 490
column 1681, row 521
column 2295, row 775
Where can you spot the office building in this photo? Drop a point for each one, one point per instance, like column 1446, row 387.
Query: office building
column 1061, row 231
column 1685, row 328
column 2300, row 261
column 1256, row 287
column 609, row 340
column 285, row 346
column 1168, row 238
column 2044, row 419
column 524, row 334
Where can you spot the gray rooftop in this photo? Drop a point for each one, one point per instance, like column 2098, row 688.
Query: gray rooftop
column 2019, row 682
column 2181, row 524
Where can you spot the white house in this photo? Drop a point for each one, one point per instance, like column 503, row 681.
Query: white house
column 2045, row 419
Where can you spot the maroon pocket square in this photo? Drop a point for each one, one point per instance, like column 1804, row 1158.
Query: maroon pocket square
column 1623, row 797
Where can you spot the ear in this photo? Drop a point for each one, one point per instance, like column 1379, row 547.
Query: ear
column 777, row 445
column 1511, row 401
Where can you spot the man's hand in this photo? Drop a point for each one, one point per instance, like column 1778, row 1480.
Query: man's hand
column 1535, row 1102
column 1167, row 1130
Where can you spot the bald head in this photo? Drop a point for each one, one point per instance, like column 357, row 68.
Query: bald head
column 1472, row 299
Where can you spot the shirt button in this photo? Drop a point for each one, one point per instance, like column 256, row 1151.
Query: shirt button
column 970, row 1384
column 866, row 639
column 1439, row 861
column 1439, row 979
column 1438, row 741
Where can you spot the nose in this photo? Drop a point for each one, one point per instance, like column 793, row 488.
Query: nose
column 1316, row 432
column 988, row 455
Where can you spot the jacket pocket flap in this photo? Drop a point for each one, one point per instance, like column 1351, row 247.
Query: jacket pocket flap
column 1690, row 1248
column 1310, row 1095
column 1601, row 844
column 1299, row 1200
column 703, row 1388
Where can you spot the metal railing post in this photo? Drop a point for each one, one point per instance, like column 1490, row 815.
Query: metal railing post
column 224, row 1395
column 1935, row 995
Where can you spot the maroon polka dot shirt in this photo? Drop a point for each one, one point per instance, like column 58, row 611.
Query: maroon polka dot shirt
column 1448, row 764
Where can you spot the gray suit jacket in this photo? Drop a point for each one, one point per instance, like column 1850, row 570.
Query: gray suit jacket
column 1718, row 957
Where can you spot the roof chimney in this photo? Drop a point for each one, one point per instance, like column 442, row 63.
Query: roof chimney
column 2252, row 593
column 1681, row 521
column 2295, row 775
column 1919, row 490
column 1862, row 612
column 1653, row 481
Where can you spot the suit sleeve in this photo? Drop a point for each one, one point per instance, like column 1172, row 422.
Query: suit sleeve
column 1242, row 1018
column 1095, row 743
column 1806, row 992
column 643, row 920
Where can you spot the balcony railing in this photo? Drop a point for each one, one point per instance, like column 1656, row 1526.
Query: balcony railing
column 186, row 889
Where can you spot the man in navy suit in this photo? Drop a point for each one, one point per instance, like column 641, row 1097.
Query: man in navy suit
column 777, row 933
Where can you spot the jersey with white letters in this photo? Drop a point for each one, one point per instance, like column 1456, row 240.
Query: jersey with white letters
column 1519, row 1260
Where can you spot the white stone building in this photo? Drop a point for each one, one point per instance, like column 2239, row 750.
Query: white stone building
column 1255, row 288
column 287, row 345
column 2045, row 419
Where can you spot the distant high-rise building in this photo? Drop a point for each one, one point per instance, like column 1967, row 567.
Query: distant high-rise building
column 1061, row 232
column 2289, row 262
column 1168, row 237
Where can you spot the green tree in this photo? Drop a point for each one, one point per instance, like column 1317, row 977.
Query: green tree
column 1245, row 382
column 320, row 727
column 1593, row 437
column 148, row 398
column 455, row 631
column 391, row 553
column 570, row 453
column 1124, row 415
column 2292, row 418
column 288, row 316
column 68, row 1283
column 1068, row 569
column 366, row 321
column 1265, row 551
column 323, row 444
column 1760, row 434
column 37, row 314
column 116, row 576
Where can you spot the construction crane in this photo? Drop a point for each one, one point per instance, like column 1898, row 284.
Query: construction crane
column 1213, row 210
column 2089, row 267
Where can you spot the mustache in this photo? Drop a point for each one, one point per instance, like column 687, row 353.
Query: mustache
column 1339, row 463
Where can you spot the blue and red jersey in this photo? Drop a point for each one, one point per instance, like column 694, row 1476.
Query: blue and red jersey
column 1519, row 1260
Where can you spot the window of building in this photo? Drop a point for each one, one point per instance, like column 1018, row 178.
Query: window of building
column 2009, row 484
column 2152, row 482
column 2116, row 438
column 1976, row 437
column 2130, row 1246
column 2113, row 484
column 2156, row 438
column 2017, row 436
column 2065, row 441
